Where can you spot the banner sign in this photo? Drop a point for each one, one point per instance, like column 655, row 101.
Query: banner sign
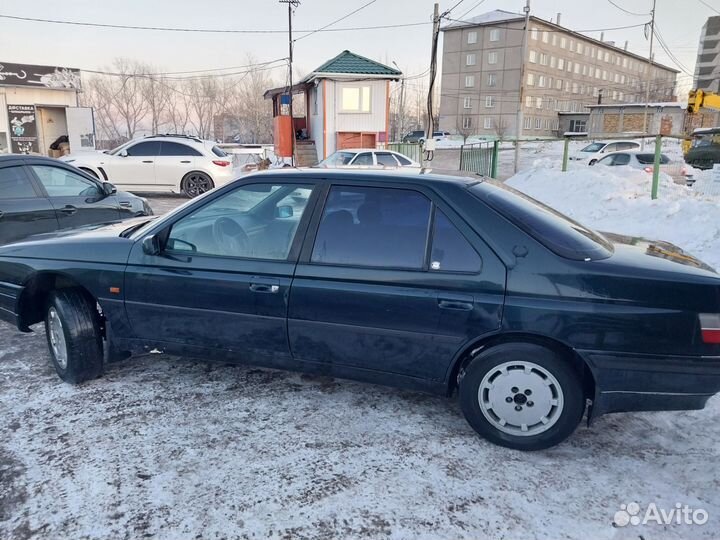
column 57, row 78
column 23, row 129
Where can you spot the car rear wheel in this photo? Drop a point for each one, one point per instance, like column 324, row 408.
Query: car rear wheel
column 73, row 335
column 196, row 183
column 522, row 396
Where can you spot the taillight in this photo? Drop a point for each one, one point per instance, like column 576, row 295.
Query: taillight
column 221, row 163
column 710, row 327
column 648, row 169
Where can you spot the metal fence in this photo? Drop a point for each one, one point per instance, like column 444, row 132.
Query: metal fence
column 477, row 157
column 411, row 150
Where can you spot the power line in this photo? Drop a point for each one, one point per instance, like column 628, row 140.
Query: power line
column 267, row 66
column 667, row 50
column 627, row 11
column 703, row 2
column 472, row 8
column 558, row 31
column 337, row 20
column 210, row 30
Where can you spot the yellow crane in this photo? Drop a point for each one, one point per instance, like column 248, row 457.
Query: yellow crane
column 701, row 147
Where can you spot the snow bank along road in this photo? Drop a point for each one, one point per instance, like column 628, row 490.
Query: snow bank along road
column 172, row 448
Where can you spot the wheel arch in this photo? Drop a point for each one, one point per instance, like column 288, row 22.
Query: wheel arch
column 37, row 288
column 564, row 350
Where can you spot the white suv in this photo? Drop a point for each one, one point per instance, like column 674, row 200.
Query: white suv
column 594, row 151
column 175, row 163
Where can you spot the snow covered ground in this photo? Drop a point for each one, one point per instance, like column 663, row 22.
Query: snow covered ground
column 618, row 200
column 172, row 448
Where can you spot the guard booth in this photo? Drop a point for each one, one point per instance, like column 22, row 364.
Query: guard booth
column 38, row 106
column 345, row 104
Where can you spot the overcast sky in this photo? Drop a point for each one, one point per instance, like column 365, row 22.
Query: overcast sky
column 679, row 22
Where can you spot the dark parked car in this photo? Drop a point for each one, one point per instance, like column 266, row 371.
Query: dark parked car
column 427, row 282
column 39, row 195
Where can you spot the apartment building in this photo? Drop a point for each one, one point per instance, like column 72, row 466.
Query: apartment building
column 564, row 72
column 707, row 67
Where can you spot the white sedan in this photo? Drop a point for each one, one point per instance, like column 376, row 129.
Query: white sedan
column 368, row 158
column 645, row 161
column 591, row 153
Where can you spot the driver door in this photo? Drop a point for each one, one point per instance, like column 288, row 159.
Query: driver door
column 134, row 167
column 77, row 200
column 221, row 280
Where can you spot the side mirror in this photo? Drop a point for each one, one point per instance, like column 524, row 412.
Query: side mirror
column 108, row 189
column 284, row 211
column 123, row 153
column 151, row 245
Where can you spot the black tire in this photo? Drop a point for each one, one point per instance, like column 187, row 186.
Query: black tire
column 81, row 336
column 566, row 417
column 90, row 172
column 196, row 183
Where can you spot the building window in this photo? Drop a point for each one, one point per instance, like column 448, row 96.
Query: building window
column 355, row 99
column 553, row 62
column 491, row 79
column 472, row 38
column 574, row 88
column 620, row 96
column 469, row 81
column 488, row 123
column 538, row 103
column 546, row 36
column 596, row 91
column 528, row 122
column 534, row 33
column 577, row 68
column 579, row 49
column 563, row 43
column 597, row 73
column 467, row 103
column 561, row 64
column 604, row 75
column 547, row 124
column 592, row 52
column 532, row 57
column 607, row 56
column 558, row 84
column 549, row 103
column 494, row 34
column 528, row 101
column 569, row 66
column 543, row 59
column 541, row 81
column 470, row 59
column 624, row 64
column 554, row 39
column 531, row 79
column 538, row 123
column 467, row 122
column 572, row 46
column 489, row 102
column 492, row 58
column 567, row 86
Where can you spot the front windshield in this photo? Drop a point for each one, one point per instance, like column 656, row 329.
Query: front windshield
column 594, row 147
column 338, row 159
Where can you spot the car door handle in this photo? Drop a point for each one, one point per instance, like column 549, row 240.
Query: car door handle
column 69, row 210
column 147, row 161
column 455, row 304
column 264, row 288
column 185, row 161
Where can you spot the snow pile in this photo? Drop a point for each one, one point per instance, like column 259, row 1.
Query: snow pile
column 619, row 202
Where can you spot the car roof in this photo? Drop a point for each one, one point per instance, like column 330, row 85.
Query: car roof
column 28, row 157
column 634, row 152
column 620, row 141
column 333, row 175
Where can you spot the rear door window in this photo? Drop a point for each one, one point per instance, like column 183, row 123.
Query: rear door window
column 15, row 184
column 373, row 227
column 621, row 159
column 649, row 159
column 176, row 149
column 451, row 252
column 386, row 159
column 402, row 159
column 365, row 158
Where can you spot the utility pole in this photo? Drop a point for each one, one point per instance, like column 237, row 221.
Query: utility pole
column 401, row 107
column 521, row 96
column 291, row 4
column 648, row 78
column 433, row 70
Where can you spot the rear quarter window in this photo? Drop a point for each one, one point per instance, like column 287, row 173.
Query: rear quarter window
column 557, row 232
column 219, row 152
column 649, row 159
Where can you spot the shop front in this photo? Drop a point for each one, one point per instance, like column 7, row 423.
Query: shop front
column 39, row 111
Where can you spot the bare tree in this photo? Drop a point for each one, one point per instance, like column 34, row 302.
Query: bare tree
column 97, row 93
column 462, row 128
column 176, row 114
column 500, row 126
column 202, row 104
column 127, row 97
column 158, row 95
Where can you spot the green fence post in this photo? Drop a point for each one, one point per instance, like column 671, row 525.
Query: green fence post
column 495, row 155
column 656, row 167
column 566, row 150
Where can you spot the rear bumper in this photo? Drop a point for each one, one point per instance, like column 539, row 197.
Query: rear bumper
column 635, row 382
column 9, row 295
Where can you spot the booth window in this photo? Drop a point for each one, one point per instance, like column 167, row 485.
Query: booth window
column 355, row 99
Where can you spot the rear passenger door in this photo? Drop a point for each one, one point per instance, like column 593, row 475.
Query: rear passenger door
column 390, row 283
column 174, row 161
column 23, row 209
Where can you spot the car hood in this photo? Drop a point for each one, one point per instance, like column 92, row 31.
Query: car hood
column 656, row 255
column 92, row 243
